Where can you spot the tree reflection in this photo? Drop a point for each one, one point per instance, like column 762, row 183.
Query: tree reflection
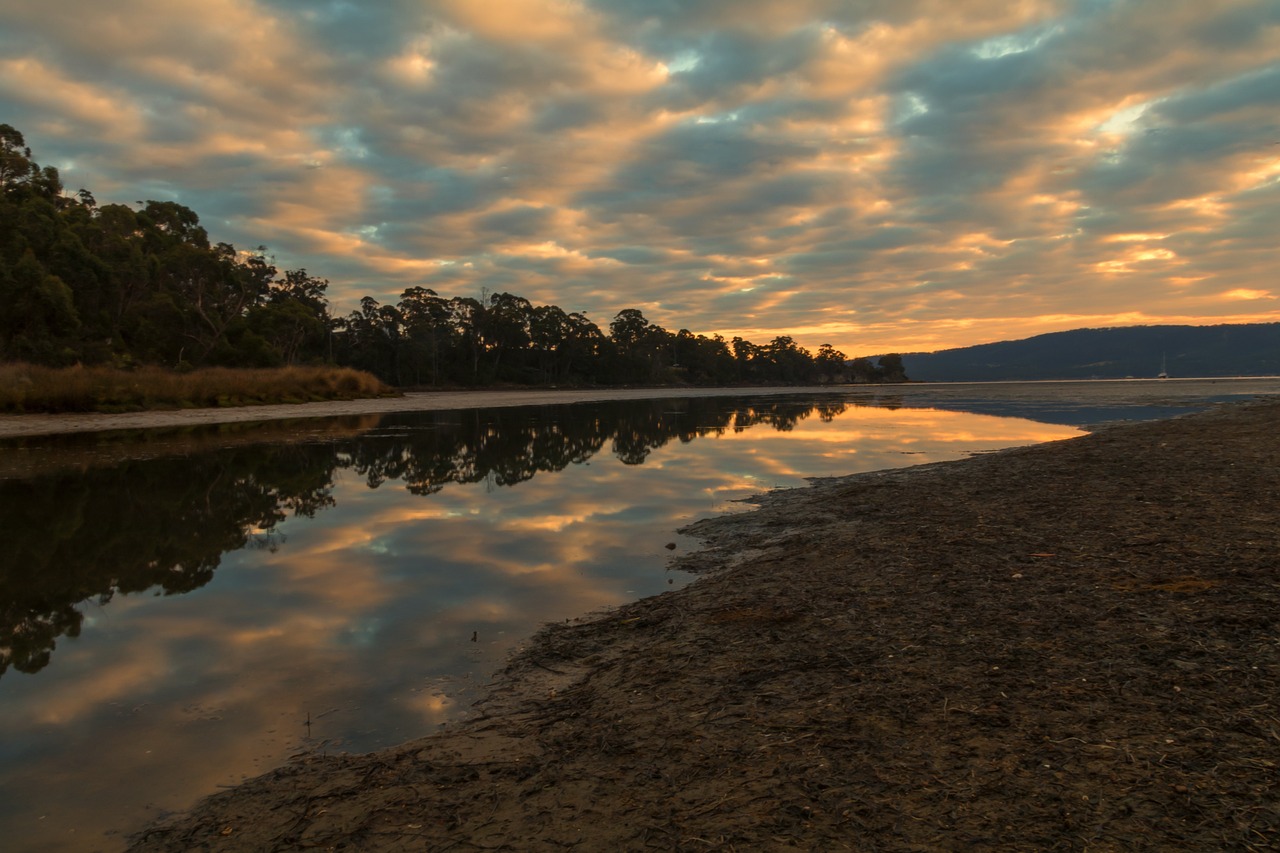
column 76, row 538
column 163, row 524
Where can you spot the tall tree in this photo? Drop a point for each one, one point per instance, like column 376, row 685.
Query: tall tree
column 428, row 332
column 39, row 319
column 504, row 332
column 890, row 368
column 19, row 174
column 294, row 319
column 830, row 363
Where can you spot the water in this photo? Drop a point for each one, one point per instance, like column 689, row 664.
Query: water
column 185, row 610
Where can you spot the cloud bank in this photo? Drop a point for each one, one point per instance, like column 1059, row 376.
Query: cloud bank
column 880, row 175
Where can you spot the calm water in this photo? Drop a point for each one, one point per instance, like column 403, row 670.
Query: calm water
column 185, row 610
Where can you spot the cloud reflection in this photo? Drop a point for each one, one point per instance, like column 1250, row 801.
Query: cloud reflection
column 358, row 613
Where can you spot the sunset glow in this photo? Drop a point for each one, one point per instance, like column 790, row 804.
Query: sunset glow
column 880, row 176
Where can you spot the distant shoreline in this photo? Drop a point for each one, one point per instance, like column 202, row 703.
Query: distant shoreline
column 1109, row 391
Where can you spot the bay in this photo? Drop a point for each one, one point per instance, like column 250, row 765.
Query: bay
column 186, row 609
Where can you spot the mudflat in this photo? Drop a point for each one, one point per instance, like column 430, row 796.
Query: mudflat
column 1070, row 646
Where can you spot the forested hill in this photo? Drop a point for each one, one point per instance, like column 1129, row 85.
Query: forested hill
column 1251, row 349
column 84, row 283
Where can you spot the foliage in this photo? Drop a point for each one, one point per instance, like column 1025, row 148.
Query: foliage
column 87, row 284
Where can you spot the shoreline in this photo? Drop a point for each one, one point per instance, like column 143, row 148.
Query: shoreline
column 1095, row 392
column 36, row 424
column 1068, row 645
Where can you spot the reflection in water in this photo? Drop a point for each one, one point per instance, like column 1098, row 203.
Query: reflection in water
column 339, row 578
column 72, row 538
column 86, row 535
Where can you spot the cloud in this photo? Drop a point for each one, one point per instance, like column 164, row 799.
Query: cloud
column 871, row 173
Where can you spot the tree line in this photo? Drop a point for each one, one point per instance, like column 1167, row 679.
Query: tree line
column 110, row 284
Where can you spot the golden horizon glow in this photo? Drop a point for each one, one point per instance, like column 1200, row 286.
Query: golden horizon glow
column 935, row 176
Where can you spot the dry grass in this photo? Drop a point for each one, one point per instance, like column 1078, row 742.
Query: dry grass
column 29, row 388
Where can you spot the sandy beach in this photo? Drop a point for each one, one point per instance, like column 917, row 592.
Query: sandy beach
column 1071, row 646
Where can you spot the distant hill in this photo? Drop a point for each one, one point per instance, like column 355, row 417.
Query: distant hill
column 1251, row 349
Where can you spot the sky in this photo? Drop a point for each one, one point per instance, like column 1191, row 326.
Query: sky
column 881, row 175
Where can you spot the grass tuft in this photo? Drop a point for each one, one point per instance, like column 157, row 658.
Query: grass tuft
column 30, row 388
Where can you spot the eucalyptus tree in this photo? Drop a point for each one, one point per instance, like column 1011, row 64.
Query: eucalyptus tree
column 890, row 369
column 786, row 361
column 293, row 320
column 38, row 317
column 465, row 316
column 372, row 339
column 830, row 363
column 702, row 360
column 428, row 332
column 549, row 332
column 503, row 325
column 39, row 321
column 586, row 348
column 644, row 349
column 20, row 175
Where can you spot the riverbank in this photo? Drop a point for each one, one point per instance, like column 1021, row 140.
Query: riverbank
column 29, row 388
column 1100, row 393
column 1067, row 646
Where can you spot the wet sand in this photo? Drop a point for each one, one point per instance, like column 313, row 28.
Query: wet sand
column 1070, row 646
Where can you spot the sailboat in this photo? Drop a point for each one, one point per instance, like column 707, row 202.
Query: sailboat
column 1164, row 369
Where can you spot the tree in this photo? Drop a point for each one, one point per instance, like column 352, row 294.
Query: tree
column 39, row 319
column 16, row 166
column 373, row 339
column 427, row 331
column 176, row 221
column 79, row 281
column 862, row 370
column 464, row 323
column 628, row 328
column 701, row 359
column 830, row 363
column 890, row 369
column 549, row 331
column 644, row 349
column 503, row 326
column 786, row 361
column 745, row 356
column 294, row 318
column 584, row 349
column 211, row 290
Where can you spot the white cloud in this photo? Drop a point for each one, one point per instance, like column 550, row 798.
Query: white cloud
column 850, row 172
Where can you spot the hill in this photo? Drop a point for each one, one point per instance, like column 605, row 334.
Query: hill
column 1251, row 349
